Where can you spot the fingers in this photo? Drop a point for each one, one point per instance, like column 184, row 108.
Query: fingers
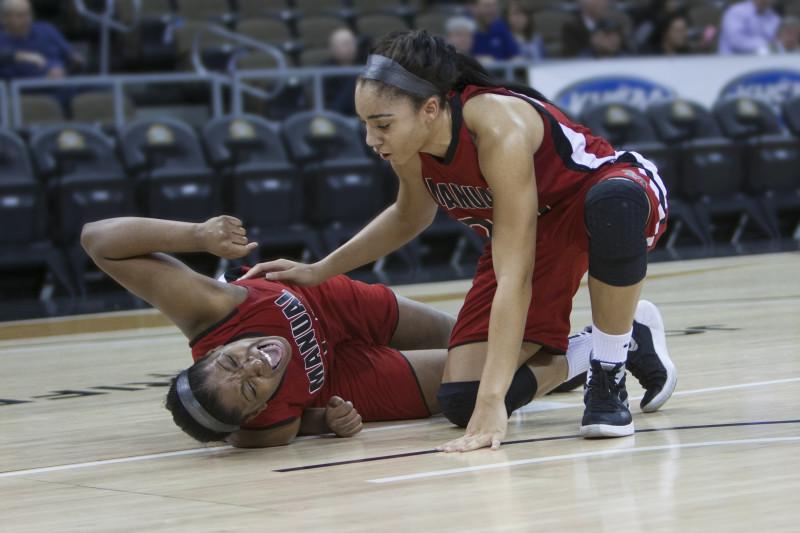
column 340, row 410
column 470, row 442
column 263, row 268
column 348, row 425
column 335, row 401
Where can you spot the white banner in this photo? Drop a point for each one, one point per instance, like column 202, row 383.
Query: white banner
column 643, row 79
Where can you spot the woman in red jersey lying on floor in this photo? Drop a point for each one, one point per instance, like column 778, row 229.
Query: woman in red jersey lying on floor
column 273, row 360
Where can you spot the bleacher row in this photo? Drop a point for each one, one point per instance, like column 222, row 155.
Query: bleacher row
column 166, row 29
column 306, row 184
column 309, row 183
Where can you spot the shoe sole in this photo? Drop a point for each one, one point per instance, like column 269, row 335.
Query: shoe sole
column 606, row 431
column 648, row 314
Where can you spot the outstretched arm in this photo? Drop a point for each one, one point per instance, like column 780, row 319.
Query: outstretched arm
column 128, row 249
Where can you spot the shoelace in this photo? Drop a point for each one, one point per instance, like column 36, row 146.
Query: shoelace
column 602, row 395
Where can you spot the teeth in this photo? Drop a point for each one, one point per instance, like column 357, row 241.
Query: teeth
column 266, row 356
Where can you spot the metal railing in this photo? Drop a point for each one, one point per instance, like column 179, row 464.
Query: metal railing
column 237, row 83
column 116, row 84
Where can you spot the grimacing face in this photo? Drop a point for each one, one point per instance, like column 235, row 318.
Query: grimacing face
column 246, row 373
column 396, row 131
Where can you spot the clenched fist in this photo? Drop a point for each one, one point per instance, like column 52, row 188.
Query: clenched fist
column 224, row 236
column 342, row 418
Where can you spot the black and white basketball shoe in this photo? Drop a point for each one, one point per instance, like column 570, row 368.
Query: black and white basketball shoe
column 606, row 412
column 648, row 358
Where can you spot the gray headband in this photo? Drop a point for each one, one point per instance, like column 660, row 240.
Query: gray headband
column 383, row 69
column 196, row 410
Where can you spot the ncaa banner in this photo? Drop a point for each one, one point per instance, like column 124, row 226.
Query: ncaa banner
column 697, row 78
column 632, row 90
column 772, row 86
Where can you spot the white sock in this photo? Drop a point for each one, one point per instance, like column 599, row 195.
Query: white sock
column 578, row 351
column 610, row 348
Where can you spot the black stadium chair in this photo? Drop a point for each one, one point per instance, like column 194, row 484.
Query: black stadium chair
column 628, row 128
column 710, row 171
column 173, row 179
column 771, row 156
column 23, row 214
column 84, row 182
column 344, row 189
column 262, row 187
column 791, row 115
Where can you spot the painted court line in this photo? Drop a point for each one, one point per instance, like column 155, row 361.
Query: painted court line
column 566, row 457
column 200, row 451
column 133, row 459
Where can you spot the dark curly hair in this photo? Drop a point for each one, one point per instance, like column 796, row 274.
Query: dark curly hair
column 431, row 58
column 205, row 394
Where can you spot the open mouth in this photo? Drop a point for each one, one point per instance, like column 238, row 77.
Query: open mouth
column 385, row 156
column 271, row 354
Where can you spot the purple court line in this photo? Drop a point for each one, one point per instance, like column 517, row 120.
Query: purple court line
column 526, row 441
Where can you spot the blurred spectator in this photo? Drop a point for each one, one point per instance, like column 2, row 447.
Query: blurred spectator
column 520, row 21
column 340, row 90
column 493, row 39
column 748, row 27
column 576, row 34
column 788, row 39
column 671, row 36
column 460, row 32
column 606, row 40
column 648, row 16
column 31, row 49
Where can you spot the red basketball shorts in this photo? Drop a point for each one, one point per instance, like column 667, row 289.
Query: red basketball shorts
column 562, row 258
column 359, row 321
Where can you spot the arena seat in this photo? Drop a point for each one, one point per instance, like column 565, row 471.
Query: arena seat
column 40, row 109
column 628, row 128
column 432, row 20
column 343, row 187
column 315, row 31
column 771, row 155
column 218, row 11
column 23, row 214
column 173, row 180
column 790, row 109
column 247, row 9
column 312, row 8
column 260, row 185
column 710, row 167
column 146, row 47
column 375, row 26
column 98, row 107
column 84, row 182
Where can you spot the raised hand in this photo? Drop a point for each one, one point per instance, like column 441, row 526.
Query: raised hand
column 224, row 236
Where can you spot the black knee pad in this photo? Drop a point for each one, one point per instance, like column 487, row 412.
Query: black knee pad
column 615, row 213
column 457, row 399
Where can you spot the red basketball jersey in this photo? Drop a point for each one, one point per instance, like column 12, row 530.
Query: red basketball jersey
column 568, row 154
column 289, row 312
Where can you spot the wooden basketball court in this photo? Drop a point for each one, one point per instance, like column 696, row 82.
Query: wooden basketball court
column 86, row 445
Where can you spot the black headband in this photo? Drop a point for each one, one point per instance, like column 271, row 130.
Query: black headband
column 388, row 71
column 196, row 410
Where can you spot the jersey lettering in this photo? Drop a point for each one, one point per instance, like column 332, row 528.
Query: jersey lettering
column 482, row 225
column 452, row 195
column 305, row 338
